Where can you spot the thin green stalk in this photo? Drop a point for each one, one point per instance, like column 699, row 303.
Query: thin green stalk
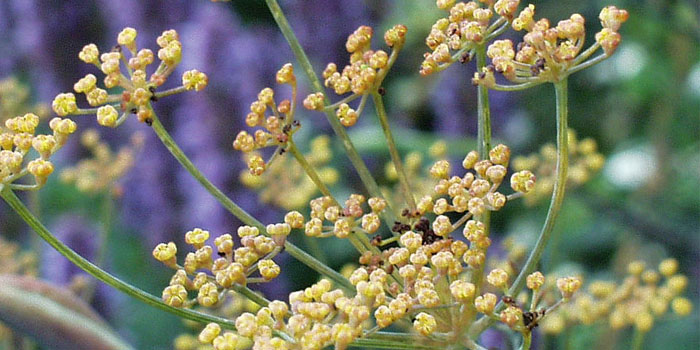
column 360, row 242
column 310, row 171
column 355, row 159
column 19, row 207
column 238, row 212
column 560, row 89
column 395, row 157
column 106, row 210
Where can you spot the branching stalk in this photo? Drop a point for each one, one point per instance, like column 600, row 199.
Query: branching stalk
column 16, row 204
column 303, row 60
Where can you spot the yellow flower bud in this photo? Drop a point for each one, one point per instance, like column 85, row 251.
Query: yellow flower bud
column 107, row 116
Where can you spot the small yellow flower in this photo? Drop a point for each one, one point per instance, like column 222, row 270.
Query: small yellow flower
column 64, row 104
column 107, row 116
column 424, row 324
column 175, row 295
column 89, row 54
column 127, row 37
column 194, row 80
column 209, row 332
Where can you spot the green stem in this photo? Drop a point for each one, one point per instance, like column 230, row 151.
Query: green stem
column 19, row 207
column 395, row 157
column 527, row 341
column 355, row 159
column 484, row 114
column 637, row 340
column 560, row 89
column 238, row 212
column 483, row 148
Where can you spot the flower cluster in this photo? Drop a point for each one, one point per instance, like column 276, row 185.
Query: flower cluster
column 467, row 24
column 16, row 262
column 14, row 101
column 101, row 171
column 129, row 74
column 584, row 162
column 212, row 276
column 233, row 306
column 20, row 138
column 549, row 53
column 363, row 75
column 476, row 191
column 287, row 176
column 275, row 130
column 644, row 295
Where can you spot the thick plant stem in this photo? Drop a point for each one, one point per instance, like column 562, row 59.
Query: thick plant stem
column 238, row 212
column 136, row 293
column 637, row 340
column 560, row 89
column 484, row 113
column 527, row 341
column 395, row 157
column 355, row 159
column 483, row 147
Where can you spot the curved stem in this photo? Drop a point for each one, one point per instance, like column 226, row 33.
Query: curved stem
column 527, row 341
column 238, row 212
column 395, row 157
column 586, row 64
column 517, row 87
column 559, row 188
column 147, row 298
column 355, row 159
column 554, row 206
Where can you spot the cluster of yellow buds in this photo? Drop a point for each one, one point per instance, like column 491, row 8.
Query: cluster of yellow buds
column 212, row 276
column 275, row 130
column 365, row 65
column 104, row 168
column 475, row 192
column 14, row 101
column 643, row 296
column 128, row 73
column 467, row 24
column 547, row 53
column 584, row 162
column 19, row 139
column 287, row 176
column 197, row 335
column 345, row 220
column 364, row 73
